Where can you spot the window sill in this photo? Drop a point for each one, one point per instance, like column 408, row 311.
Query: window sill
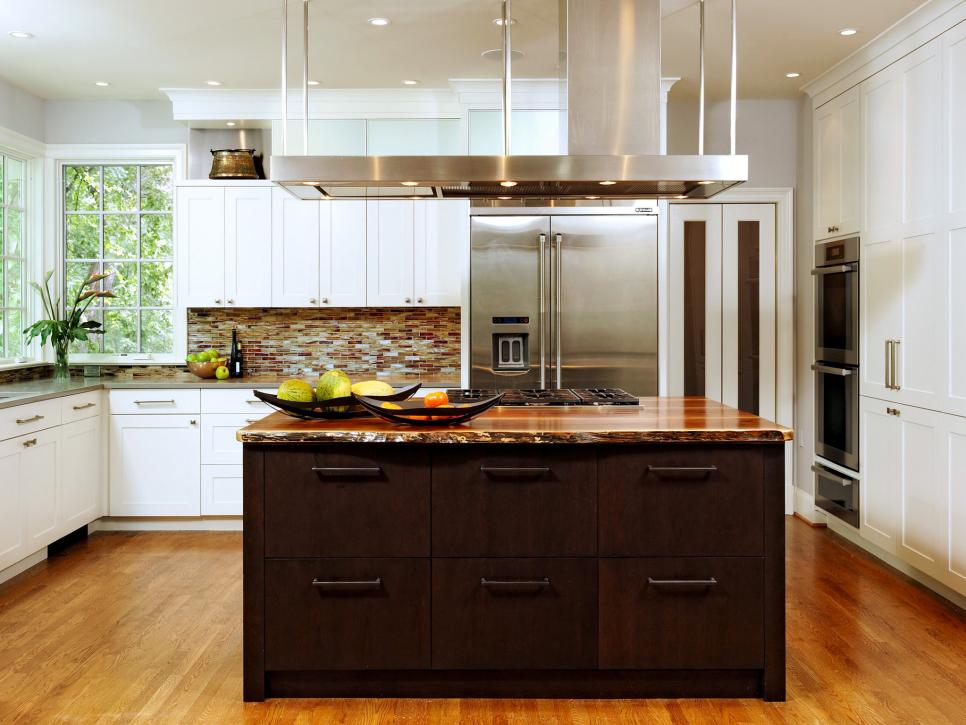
column 125, row 360
column 23, row 365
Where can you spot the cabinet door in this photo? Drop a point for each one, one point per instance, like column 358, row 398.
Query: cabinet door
column 295, row 251
column 881, row 311
column 221, row 490
column 80, row 482
column 154, row 465
column 342, row 254
column 441, row 252
column 13, row 545
column 219, row 446
column 201, row 246
column 248, row 259
column 838, row 166
column 955, row 478
column 389, row 251
column 881, row 447
column 39, row 476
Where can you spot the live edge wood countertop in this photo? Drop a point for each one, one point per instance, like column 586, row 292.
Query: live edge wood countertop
column 656, row 420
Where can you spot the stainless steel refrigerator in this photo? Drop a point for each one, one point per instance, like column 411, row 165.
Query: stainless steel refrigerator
column 566, row 299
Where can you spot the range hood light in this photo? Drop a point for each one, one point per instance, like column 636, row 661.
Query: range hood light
column 705, row 183
column 607, row 183
column 504, row 198
column 591, row 197
column 409, row 183
column 508, row 183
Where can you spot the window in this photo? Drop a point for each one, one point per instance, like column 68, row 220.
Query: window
column 12, row 254
column 118, row 218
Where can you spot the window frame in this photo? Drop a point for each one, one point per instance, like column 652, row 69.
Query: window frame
column 118, row 155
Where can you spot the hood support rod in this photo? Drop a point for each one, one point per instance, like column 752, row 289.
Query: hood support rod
column 507, row 75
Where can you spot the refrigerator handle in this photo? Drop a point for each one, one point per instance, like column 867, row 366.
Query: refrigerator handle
column 543, row 310
column 556, row 306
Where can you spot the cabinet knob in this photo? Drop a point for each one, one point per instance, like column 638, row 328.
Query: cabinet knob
column 419, row 300
column 193, row 422
column 217, row 302
column 313, row 301
column 230, row 301
column 31, row 442
column 408, row 300
column 325, row 300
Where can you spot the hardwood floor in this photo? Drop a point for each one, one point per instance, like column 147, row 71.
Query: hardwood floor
column 147, row 628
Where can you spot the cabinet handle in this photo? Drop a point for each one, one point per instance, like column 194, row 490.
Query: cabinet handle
column 355, row 472
column 154, row 402
column 31, row 442
column 893, row 411
column 888, row 364
column 218, row 302
column 31, row 419
column 336, row 585
column 253, row 401
column 251, row 420
column 408, row 300
column 658, row 470
column 844, row 372
column 895, row 365
column 84, row 406
column 230, row 301
column 325, row 300
column 829, row 477
column 515, row 584
column 313, row 301
column 419, row 300
column 682, row 583
column 522, row 471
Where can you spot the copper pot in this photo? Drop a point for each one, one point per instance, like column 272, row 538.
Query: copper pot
column 233, row 164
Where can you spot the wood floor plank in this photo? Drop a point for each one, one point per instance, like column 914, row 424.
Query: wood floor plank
column 146, row 627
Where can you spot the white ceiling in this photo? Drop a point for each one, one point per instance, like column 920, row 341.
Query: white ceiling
column 140, row 46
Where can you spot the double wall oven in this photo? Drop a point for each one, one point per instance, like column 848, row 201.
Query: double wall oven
column 836, row 370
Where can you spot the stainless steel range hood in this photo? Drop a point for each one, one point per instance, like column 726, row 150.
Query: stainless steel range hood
column 613, row 127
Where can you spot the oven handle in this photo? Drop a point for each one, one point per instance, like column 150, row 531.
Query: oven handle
column 844, row 372
column 836, row 479
column 837, row 269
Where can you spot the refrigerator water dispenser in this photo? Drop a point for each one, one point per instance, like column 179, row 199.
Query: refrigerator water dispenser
column 511, row 351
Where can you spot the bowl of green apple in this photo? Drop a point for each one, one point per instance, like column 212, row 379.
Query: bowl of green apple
column 208, row 364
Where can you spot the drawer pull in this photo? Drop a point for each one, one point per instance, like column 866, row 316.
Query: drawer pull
column 31, row 442
column 520, row 472
column 253, row 401
column 359, row 472
column 154, row 402
column 513, row 584
column 32, row 419
column 362, row 585
column 682, row 583
column 658, row 470
column 828, row 476
column 251, row 420
column 85, row 406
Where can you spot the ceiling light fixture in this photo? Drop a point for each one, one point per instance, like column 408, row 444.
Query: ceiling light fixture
column 22, row 34
column 101, row 84
column 313, row 83
column 848, row 31
column 213, row 83
column 607, row 183
column 496, row 54
column 378, row 22
column 410, row 82
column 508, row 183
column 793, row 74
column 229, row 123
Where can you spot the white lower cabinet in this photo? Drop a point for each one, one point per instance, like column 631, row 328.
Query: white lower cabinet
column 39, row 478
column 155, row 465
column 81, row 474
column 221, row 490
column 13, row 546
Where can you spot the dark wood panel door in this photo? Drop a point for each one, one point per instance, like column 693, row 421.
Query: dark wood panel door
column 514, row 613
column 691, row 613
column 347, row 501
column 344, row 614
column 514, row 501
column 681, row 501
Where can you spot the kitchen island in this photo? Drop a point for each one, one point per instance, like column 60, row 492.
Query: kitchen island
column 558, row 552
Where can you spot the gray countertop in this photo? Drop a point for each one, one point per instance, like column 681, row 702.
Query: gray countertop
column 32, row 391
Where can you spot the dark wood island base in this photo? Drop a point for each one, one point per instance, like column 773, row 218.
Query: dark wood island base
column 589, row 570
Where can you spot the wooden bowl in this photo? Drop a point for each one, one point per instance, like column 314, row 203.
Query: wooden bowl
column 415, row 412
column 205, row 369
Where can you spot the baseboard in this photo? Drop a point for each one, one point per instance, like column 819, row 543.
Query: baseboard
column 806, row 511
column 21, row 566
column 789, row 499
column 813, row 524
column 204, row 523
column 853, row 536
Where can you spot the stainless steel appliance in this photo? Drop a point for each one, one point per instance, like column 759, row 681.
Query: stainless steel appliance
column 564, row 299
column 837, row 493
column 538, row 397
column 837, row 352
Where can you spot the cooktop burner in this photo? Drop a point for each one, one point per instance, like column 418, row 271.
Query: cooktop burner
column 535, row 397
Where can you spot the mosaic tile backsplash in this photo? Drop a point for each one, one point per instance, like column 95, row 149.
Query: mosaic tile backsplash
column 388, row 342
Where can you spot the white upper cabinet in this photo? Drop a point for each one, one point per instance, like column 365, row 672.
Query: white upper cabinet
column 838, row 166
column 201, row 246
column 441, row 251
column 248, row 258
column 389, row 249
column 295, row 251
column 342, row 254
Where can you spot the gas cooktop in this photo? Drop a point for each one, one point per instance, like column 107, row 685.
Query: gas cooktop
column 585, row 396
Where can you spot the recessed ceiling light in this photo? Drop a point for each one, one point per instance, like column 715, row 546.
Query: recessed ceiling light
column 497, row 54
column 409, row 183
column 793, row 74
column 22, row 34
column 607, row 183
column 848, row 31
column 102, row 84
column 508, row 183
column 410, row 82
column 213, row 83
column 313, row 83
column 378, row 22
column 229, row 123
column 499, row 21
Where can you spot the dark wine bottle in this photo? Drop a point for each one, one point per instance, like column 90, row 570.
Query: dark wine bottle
column 235, row 357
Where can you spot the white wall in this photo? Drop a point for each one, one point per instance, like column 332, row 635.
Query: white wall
column 767, row 131
column 106, row 122
column 804, row 307
column 21, row 112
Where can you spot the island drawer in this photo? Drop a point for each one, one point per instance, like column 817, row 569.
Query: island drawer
column 681, row 500
column 347, row 614
column 689, row 613
column 347, row 501
column 514, row 613
column 504, row 501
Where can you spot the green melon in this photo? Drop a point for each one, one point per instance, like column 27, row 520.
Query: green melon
column 297, row 390
column 333, row 384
